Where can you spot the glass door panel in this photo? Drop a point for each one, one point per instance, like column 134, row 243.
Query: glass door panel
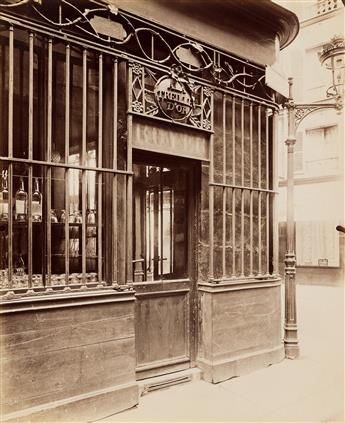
column 160, row 223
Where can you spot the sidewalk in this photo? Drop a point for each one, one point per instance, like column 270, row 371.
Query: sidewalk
column 310, row 388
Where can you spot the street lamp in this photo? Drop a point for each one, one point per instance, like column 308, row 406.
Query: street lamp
column 333, row 58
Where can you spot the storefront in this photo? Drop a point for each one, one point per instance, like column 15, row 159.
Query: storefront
column 138, row 231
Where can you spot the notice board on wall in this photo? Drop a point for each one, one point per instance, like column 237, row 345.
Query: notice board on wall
column 317, row 244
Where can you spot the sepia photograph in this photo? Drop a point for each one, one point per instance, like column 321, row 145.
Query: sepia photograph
column 172, row 211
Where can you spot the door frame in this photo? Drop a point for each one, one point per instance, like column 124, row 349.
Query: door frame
column 193, row 228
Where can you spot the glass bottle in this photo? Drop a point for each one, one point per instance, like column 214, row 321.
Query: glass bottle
column 53, row 216
column 4, row 196
column 36, row 203
column 21, row 199
column 20, row 266
column 63, row 216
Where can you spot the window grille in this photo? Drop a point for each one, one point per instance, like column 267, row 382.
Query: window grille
column 60, row 165
column 241, row 193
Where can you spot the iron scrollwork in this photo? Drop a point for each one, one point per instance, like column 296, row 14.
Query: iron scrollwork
column 115, row 29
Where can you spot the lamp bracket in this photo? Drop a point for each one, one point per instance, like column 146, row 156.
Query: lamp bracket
column 303, row 110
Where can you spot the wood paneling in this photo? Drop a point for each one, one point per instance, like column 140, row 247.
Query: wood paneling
column 246, row 321
column 161, row 327
column 239, row 324
column 93, row 345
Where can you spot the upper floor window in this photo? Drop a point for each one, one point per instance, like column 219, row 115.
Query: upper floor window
column 321, row 150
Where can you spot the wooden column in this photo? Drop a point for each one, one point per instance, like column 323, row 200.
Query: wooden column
column 290, row 326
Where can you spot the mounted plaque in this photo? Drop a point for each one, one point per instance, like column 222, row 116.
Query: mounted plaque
column 174, row 98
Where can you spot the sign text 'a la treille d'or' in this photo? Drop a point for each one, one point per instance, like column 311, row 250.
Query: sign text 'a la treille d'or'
column 174, row 97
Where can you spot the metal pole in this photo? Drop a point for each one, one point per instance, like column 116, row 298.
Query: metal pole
column 290, row 326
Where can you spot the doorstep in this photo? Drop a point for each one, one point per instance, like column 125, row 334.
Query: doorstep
column 161, row 382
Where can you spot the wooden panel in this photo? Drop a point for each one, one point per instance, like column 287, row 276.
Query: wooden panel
column 161, row 327
column 32, row 380
column 245, row 321
column 57, row 318
column 94, row 345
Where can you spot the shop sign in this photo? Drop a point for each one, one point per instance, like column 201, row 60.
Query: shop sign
column 170, row 139
column 174, row 97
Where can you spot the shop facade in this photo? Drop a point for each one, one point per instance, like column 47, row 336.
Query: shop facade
column 138, row 221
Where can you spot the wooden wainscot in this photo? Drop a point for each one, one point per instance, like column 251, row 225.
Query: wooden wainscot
column 240, row 327
column 68, row 358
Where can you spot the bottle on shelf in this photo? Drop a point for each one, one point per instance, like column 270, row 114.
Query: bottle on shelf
column 4, row 196
column 20, row 266
column 53, row 216
column 37, row 203
column 21, row 199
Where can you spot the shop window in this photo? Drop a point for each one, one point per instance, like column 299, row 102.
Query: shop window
column 59, row 166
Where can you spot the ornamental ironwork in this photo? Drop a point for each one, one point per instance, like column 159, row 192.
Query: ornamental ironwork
column 173, row 96
column 122, row 32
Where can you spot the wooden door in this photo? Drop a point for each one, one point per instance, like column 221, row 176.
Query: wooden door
column 164, row 219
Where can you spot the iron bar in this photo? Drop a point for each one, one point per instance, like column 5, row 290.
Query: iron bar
column 242, row 142
column 211, row 202
column 260, row 195
column 275, row 234
column 30, row 151
column 251, row 234
column 233, row 129
column 259, row 235
column 83, row 161
column 161, row 211
column 251, row 217
column 171, row 230
column 233, row 232
column 267, row 157
column 114, row 179
column 267, row 233
column 10, row 225
column 259, row 148
column 224, row 189
column 242, row 232
column 49, row 158
column 249, row 188
column 67, row 165
column 129, row 182
column 10, row 152
column 67, row 135
column 99, row 174
column 211, row 209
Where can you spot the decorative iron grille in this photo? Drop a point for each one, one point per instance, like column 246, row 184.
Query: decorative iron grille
column 114, row 29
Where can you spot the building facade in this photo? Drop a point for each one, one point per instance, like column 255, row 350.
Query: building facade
column 319, row 151
column 138, row 218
